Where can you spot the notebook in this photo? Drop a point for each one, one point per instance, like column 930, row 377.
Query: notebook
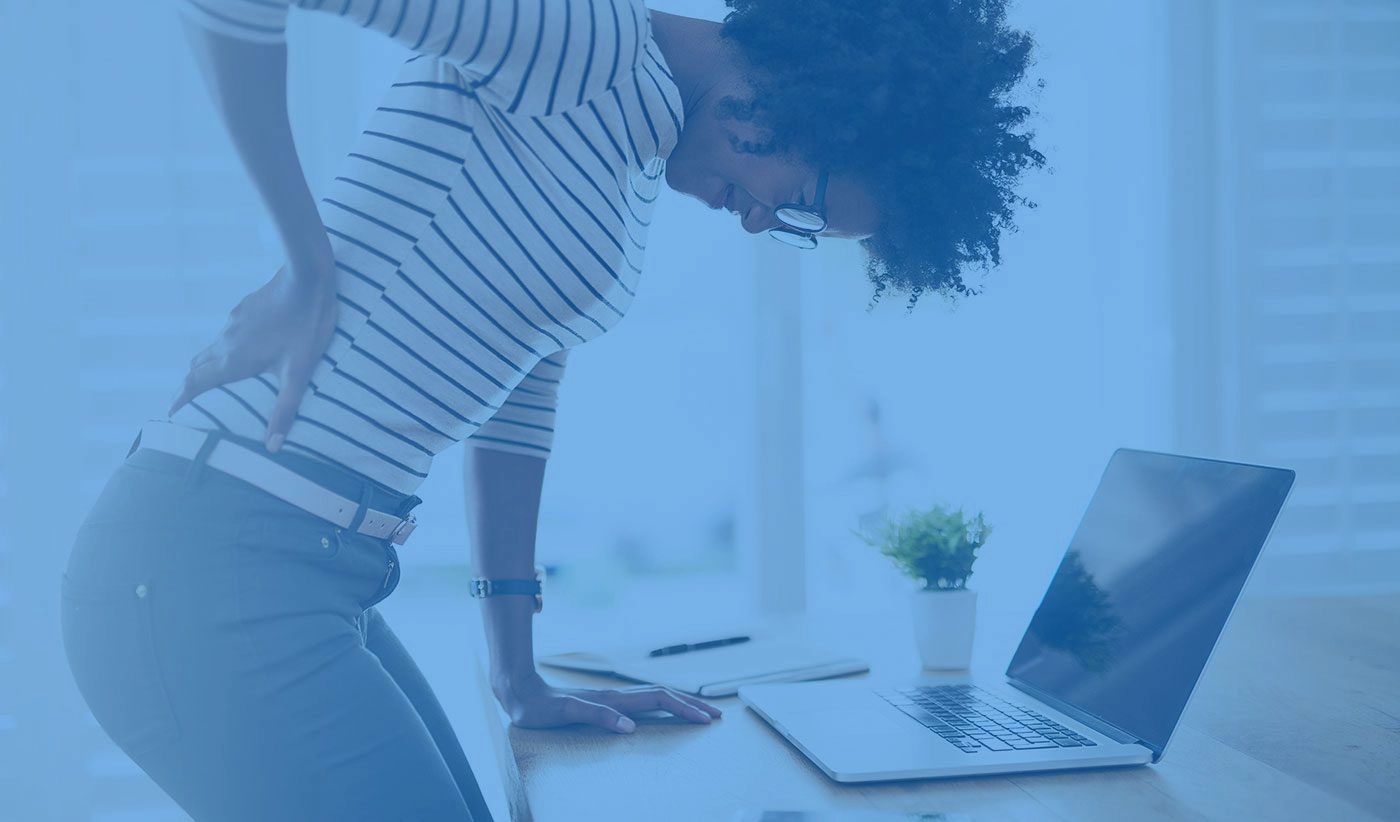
column 714, row 672
column 846, row 816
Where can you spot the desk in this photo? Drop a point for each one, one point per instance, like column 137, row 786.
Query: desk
column 1297, row 717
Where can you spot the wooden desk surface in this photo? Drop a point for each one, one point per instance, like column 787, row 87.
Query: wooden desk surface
column 1298, row 717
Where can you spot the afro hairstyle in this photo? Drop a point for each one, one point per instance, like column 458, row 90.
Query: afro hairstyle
column 913, row 97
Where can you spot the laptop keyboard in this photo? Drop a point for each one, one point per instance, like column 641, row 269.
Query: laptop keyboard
column 975, row 720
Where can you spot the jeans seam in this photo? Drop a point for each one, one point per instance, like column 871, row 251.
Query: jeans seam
column 143, row 604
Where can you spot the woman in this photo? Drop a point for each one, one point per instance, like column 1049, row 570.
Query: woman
column 218, row 604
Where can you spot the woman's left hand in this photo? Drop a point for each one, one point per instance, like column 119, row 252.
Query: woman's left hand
column 533, row 703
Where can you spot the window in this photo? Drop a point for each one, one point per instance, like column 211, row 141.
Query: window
column 1299, row 284
column 128, row 232
column 1012, row 403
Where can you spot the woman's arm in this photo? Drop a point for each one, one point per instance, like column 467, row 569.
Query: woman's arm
column 248, row 82
column 524, row 56
column 503, row 502
column 284, row 327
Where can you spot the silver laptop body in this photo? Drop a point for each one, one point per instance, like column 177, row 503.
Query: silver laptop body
column 1108, row 662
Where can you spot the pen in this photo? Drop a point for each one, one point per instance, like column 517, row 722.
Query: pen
column 698, row 646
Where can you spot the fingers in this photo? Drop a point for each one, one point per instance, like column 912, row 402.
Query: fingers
column 715, row 713
column 670, row 701
column 593, row 713
column 206, row 371
column 656, row 698
column 609, row 709
column 296, row 374
column 295, row 379
column 709, row 710
column 284, row 413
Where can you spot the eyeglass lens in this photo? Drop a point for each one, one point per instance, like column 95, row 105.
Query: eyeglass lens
column 801, row 219
column 798, row 239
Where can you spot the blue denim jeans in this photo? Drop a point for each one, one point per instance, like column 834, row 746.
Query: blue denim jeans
column 227, row 642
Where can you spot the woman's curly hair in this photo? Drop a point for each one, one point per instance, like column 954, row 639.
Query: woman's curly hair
column 912, row 97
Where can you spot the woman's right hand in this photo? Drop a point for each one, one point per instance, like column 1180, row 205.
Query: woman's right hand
column 283, row 328
column 533, row 703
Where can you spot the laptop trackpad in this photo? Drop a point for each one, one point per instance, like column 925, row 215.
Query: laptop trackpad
column 851, row 720
column 864, row 740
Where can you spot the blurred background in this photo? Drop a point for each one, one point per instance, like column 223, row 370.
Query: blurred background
column 1214, row 268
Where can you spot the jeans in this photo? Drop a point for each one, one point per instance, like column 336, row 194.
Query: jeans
column 227, row 642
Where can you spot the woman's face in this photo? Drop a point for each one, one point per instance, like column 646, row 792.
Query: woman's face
column 710, row 163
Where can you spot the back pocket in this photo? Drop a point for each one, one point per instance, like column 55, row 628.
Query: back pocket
column 115, row 661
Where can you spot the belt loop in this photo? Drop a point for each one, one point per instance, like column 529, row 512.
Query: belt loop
column 201, row 457
column 366, row 494
column 411, row 502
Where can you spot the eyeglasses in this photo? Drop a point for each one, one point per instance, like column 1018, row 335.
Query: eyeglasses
column 802, row 223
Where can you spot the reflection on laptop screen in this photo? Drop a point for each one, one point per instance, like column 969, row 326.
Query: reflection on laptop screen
column 1146, row 586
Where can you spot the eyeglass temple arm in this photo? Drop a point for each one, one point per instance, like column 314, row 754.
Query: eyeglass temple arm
column 819, row 202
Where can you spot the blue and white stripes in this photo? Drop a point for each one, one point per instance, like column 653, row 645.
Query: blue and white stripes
column 492, row 215
column 535, row 56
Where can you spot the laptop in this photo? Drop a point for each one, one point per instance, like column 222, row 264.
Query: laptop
column 1107, row 665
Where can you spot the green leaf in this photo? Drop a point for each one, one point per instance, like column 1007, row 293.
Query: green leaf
column 936, row 546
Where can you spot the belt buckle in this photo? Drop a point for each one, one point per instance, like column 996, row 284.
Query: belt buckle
column 403, row 530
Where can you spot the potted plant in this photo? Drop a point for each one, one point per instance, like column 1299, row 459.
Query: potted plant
column 937, row 547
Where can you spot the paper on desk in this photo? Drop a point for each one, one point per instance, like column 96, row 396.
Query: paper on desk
column 846, row 816
column 712, row 672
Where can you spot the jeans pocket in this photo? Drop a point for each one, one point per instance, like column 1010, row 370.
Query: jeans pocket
column 293, row 562
column 109, row 640
column 293, row 534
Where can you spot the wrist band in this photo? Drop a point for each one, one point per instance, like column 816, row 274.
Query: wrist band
column 482, row 587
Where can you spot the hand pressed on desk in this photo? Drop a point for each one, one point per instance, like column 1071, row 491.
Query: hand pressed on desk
column 534, row 703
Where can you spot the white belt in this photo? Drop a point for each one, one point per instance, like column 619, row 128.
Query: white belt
column 281, row 482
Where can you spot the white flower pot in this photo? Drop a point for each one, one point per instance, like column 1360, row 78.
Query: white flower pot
column 943, row 627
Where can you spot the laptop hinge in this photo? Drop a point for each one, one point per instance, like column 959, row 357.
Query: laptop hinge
column 1079, row 715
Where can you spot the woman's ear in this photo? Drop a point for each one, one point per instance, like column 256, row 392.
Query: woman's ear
column 734, row 107
column 739, row 116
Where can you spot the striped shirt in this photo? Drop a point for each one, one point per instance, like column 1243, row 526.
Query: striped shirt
column 492, row 215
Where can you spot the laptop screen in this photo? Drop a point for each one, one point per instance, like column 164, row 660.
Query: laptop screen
column 1144, row 590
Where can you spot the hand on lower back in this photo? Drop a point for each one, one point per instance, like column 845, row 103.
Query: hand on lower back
column 282, row 328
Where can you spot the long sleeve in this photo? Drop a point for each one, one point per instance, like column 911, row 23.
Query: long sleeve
column 532, row 56
column 524, row 424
